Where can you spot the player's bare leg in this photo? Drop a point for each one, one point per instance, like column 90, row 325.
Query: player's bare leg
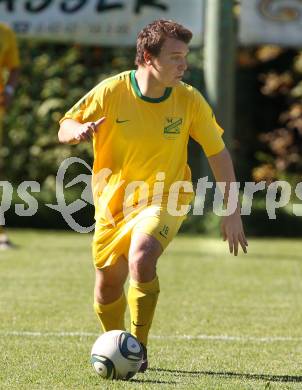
column 144, row 286
column 109, row 297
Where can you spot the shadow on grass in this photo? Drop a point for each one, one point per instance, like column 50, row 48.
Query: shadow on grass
column 208, row 253
column 265, row 377
column 153, row 381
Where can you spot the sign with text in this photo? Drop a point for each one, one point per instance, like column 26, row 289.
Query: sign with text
column 102, row 22
column 271, row 21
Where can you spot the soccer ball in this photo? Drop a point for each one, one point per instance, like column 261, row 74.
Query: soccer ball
column 116, row 355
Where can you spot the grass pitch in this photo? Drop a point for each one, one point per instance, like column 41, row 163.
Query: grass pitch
column 221, row 322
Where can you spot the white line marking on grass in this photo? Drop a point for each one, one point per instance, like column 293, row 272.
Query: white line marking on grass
column 170, row 337
column 48, row 334
column 229, row 338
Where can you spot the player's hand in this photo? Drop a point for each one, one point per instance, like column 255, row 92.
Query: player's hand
column 232, row 230
column 88, row 129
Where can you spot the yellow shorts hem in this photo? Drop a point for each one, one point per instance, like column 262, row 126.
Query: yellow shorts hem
column 109, row 243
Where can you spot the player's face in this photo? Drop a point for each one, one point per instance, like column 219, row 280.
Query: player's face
column 170, row 65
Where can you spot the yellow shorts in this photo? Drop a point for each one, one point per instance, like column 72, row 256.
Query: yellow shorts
column 111, row 242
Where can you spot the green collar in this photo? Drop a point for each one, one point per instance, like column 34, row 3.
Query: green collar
column 146, row 98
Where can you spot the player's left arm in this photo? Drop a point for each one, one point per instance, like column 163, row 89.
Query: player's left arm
column 231, row 226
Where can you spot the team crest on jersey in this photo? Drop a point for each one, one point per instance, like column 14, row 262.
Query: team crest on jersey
column 172, row 127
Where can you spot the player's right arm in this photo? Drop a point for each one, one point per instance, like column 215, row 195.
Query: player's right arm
column 81, row 122
column 73, row 132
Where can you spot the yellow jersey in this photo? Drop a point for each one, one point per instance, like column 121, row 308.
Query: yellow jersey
column 143, row 136
column 9, row 54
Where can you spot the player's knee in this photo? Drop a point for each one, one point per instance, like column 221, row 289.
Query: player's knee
column 144, row 247
column 106, row 290
column 142, row 267
column 105, row 294
column 109, row 282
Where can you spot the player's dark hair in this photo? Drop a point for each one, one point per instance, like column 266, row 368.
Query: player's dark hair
column 152, row 37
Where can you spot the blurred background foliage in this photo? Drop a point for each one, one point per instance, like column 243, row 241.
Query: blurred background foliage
column 269, row 113
column 268, row 134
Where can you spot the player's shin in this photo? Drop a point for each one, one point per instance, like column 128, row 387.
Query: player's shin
column 142, row 300
column 111, row 315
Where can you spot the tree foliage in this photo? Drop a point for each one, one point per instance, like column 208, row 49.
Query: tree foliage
column 275, row 106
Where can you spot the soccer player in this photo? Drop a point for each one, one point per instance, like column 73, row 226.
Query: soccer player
column 140, row 122
column 9, row 62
